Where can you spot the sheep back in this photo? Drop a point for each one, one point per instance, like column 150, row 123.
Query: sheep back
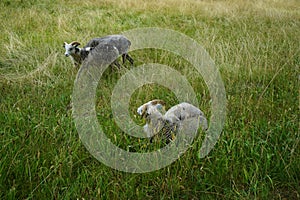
column 119, row 41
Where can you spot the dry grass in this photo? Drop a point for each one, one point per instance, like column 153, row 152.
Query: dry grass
column 232, row 8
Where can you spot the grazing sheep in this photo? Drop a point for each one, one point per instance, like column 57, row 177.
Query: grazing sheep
column 171, row 121
column 79, row 54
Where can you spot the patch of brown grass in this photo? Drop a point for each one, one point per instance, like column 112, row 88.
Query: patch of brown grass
column 213, row 7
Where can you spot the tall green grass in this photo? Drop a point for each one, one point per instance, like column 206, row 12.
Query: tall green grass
column 255, row 45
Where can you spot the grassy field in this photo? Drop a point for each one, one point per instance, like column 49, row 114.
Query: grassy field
column 256, row 47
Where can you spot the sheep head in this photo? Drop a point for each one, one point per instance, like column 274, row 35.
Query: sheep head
column 147, row 108
column 71, row 49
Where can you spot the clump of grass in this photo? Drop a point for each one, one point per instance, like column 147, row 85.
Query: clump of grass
column 256, row 48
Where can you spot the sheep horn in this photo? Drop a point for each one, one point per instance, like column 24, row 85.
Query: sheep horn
column 75, row 43
column 158, row 101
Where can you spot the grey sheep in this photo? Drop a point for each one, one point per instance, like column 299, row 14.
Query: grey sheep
column 78, row 55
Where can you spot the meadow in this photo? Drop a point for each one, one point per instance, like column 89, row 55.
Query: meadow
column 255, row 46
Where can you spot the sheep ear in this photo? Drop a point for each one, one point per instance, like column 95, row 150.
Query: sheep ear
column 88, row 49
column 75, row 43
column 64, row 45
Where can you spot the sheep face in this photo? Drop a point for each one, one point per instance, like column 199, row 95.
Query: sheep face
column 71, row 49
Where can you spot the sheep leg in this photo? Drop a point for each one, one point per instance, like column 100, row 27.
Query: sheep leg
column 151, row 139
column 129, row 59
column 116, row 63
column 125, row 57
column 168, row 136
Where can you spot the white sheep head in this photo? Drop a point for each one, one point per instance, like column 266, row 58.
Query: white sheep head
column 150, row 107
column 71, row 49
